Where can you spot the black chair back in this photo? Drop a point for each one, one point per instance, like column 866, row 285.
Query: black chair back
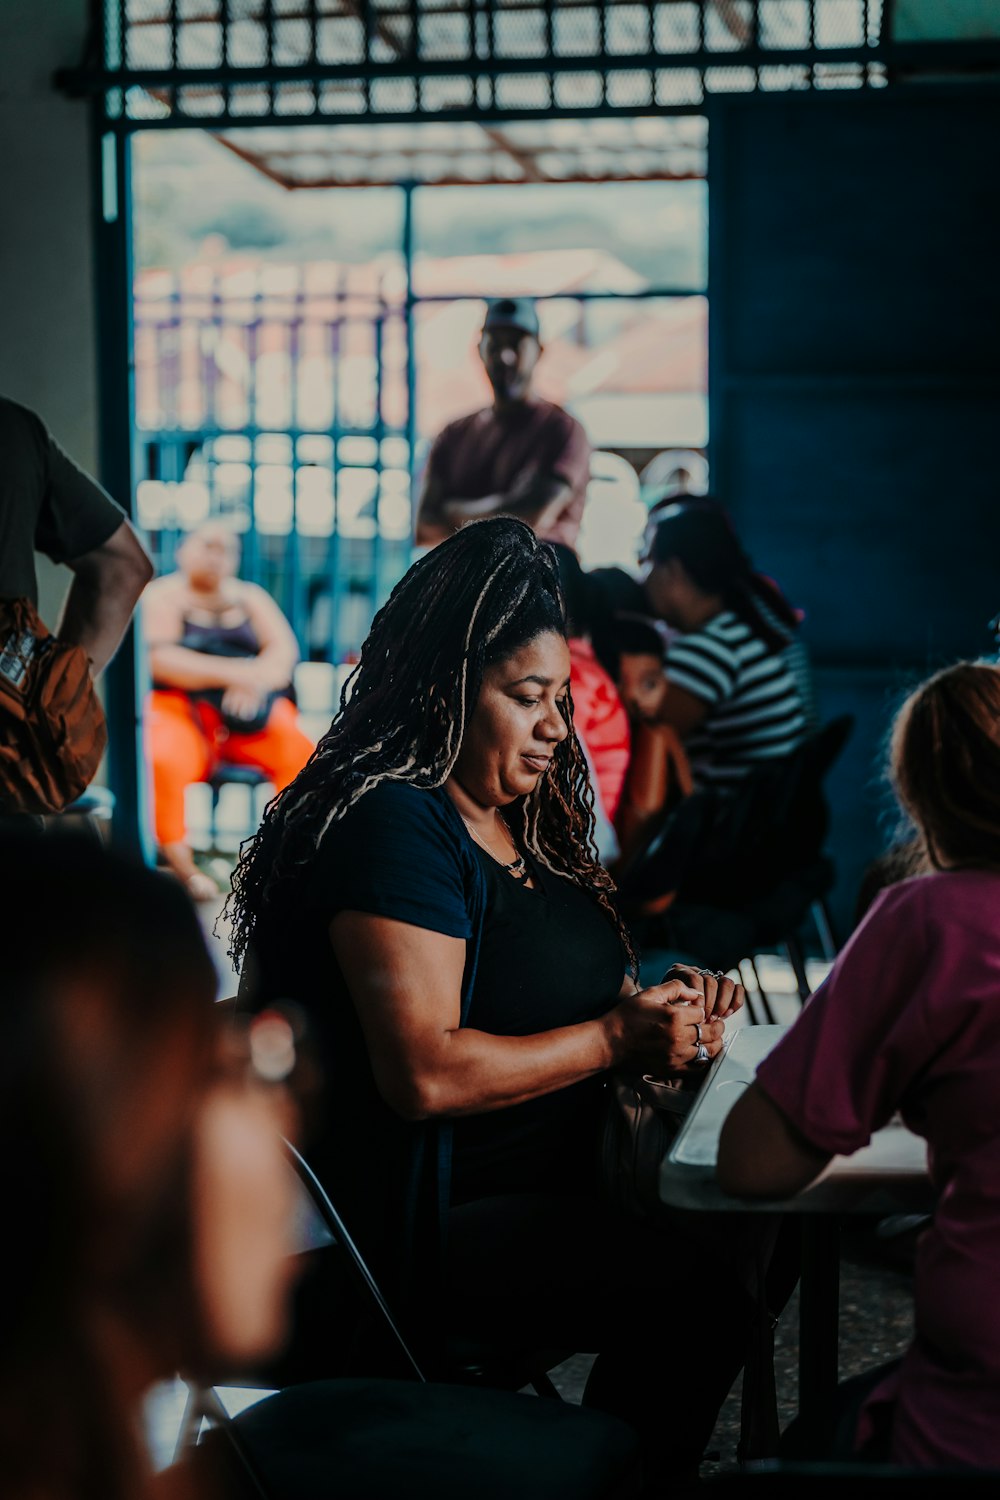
column 371, row 1293
column 661, row 864
column 772, row 825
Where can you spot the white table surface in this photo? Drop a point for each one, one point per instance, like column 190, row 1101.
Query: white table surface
column 888, row 1176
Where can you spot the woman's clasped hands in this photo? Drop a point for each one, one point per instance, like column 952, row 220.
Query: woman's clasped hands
column 674, row 1026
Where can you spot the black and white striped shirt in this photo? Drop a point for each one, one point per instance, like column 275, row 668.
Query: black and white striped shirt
column 756, row 709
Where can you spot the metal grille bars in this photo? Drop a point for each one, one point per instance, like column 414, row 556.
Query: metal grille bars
column 225, row 62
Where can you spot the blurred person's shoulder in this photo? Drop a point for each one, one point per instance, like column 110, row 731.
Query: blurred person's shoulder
column 22, row 432
column 461, row 428
column 548, row 414
column 726, row 627
column 936, row 902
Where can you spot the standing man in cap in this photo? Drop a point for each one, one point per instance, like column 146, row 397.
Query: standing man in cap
column 519, row 457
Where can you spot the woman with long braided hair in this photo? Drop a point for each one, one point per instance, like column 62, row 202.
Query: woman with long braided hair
column 428, row 891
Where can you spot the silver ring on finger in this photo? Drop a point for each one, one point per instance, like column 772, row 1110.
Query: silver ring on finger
column 697, row 1033
column 702, row 1053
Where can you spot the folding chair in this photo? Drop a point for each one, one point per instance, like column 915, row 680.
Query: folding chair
column 464, row 1361
column 751, row 869
column 368, row 1437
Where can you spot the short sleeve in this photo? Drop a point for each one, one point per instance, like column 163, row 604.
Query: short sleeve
column 76, row 514
column 572, row 462
column 701, row 665
column 394, row 854
column 866, row 1035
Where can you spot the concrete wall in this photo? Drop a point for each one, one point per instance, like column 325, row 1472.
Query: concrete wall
column 47, row 335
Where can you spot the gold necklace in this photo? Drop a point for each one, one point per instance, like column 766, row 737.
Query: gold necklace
column 517, row 869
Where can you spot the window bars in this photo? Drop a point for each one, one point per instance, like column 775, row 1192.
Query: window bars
column 170, row 62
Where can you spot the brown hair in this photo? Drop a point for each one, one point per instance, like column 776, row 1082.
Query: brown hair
column 697, row 533
column 108, row 1040
column 945, row 762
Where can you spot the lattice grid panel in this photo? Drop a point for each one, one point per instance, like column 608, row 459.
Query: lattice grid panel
column 198, row 60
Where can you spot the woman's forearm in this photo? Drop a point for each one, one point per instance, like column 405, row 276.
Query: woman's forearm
column 406, row 984
column 192, row 671
column 476, row 1073
column 274, row 667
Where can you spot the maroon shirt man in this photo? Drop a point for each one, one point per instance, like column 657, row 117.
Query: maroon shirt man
column 519, row 457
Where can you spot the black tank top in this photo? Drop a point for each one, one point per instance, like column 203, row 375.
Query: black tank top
column 549, row 958
column 217, row 639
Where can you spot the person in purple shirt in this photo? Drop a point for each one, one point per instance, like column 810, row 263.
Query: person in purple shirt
column 909, row 1021
column 521, row 456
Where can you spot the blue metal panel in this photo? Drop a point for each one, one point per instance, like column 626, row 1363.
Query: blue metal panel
column 853, row 384
column 125, row 676
column 877, row 510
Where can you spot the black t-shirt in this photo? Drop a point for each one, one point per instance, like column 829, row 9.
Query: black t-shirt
column 47, row 503
column 548, row 957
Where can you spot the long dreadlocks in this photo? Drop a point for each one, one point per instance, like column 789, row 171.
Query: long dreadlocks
column 472, row 602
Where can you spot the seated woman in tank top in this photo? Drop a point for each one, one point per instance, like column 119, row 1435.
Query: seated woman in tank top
column 221, row 656
column 427, row 890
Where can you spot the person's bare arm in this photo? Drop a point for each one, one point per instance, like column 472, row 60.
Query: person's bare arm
column 536, row 498
column 107, row 582
column 681, row 710
column 406, row 984
column 761, row 1155
column 279, row 651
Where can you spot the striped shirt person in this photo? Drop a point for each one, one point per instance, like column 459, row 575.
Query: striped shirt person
column 738, row 689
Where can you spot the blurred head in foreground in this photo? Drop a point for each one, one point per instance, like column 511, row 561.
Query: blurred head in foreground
column 144, row 1177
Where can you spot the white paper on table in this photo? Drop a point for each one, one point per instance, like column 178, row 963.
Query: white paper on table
column 698, row 1143
column 888, row 1175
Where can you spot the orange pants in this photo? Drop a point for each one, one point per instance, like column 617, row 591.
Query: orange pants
column 186, row 741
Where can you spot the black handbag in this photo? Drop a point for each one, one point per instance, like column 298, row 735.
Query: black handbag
column 643, row 1117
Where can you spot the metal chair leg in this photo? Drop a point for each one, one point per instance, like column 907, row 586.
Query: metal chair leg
column 187, row 1433
column 824, row 927
column 765, row 1002
column 542, row 1385
column 752, row 990
column 206, row 1405
column 798, row 962
column 751, row 1011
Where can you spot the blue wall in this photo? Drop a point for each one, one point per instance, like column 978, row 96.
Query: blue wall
column 854, row 381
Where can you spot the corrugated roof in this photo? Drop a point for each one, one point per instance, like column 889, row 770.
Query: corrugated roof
column 643, row 148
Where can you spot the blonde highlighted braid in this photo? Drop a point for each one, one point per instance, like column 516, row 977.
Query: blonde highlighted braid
column 473, row 601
